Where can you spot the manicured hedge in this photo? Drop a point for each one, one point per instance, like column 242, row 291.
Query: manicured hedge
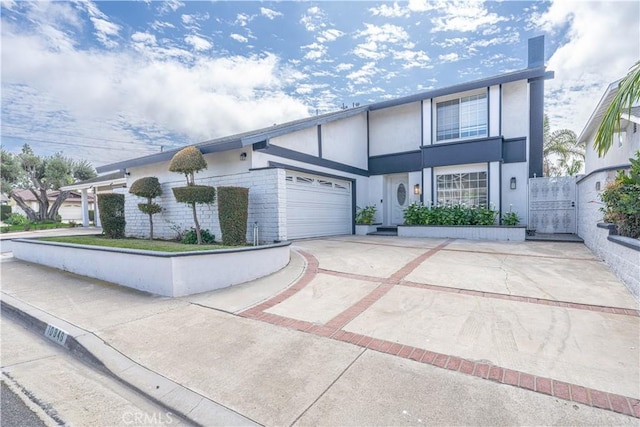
column 195, row 194
column 233, row 206
column 5, row 212
column 111, row 207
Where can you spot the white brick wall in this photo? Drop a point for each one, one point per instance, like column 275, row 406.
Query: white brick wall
column 267, row 206
column 623, row 261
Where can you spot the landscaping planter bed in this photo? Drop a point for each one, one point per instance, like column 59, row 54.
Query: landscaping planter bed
column 471, row 232
column 163, row 273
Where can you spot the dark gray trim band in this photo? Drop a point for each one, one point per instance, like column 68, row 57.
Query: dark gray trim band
column 320, row 141
column 536, row 118
column 409, row 161
column 514, row 150
column 607, row 169
column 463, row 152
column 285, row 153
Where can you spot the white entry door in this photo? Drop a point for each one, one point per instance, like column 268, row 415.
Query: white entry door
column 397, row 197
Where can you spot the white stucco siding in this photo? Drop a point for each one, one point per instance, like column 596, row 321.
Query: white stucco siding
column 395, row 129
column 427, row 188
column 266, row 201
column 624, row 146
column 515, row 110
column 375, row 196
column 303, row 141
column 494, row 110
column 426, row 121
column 345, row 141
column 494, row 184
column 515, row 199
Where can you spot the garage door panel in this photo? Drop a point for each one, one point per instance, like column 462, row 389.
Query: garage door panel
column 317, row 206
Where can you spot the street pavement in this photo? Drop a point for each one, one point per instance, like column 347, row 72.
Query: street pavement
column 367, row 331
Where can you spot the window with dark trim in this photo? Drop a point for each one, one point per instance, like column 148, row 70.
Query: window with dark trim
column 464, row 117
column 468, row 189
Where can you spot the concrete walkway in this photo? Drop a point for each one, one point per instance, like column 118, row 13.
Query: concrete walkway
column 368, row 331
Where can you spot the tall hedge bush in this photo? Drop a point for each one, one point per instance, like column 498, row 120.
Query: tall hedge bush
column 111, row 207
column 5, row 212
column 233, row 210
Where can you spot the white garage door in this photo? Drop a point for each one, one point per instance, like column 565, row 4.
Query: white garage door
column 317, row 206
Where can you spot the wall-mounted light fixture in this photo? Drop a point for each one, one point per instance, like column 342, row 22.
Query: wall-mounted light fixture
column 243, row 156
column 416, row 189
column 597, row 185
column 512, row 183
column 128, row 173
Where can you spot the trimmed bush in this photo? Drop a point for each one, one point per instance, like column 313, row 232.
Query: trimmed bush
column 5, row 212
column 111, row 207
column 149, row 188
column 195, row 194
column 233, row 207
column 17, row 219
column 417, row 214
column 187, row 161
column 366, row 215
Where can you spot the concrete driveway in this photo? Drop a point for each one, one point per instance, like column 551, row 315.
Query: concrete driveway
column 374, row 331
column 544, row 316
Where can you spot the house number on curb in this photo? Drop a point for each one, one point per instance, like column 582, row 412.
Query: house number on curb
column 55, row 334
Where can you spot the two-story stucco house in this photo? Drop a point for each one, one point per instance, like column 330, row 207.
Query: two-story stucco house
column 475, row 143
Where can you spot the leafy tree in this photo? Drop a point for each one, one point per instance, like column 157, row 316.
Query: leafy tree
column 562, row 153
column 627, row 95
column 40, row 175
column 148, row 187
column 189, row 161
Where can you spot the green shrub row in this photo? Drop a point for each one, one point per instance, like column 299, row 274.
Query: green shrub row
column 233, row 207
column 417, row 214
column 195, row 194
column 621, row 200
column 191, row 237
column 111, row 207
column 366, row 215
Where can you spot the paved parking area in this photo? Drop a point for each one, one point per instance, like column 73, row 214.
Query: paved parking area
column 543, row 316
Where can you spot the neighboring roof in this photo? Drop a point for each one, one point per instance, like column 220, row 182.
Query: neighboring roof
column 596, row 117
column 28, row 196
column 114, row 178
column 251, row 137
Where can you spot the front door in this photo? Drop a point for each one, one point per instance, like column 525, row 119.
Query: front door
column 398, row 198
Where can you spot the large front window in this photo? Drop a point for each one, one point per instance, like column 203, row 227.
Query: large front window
column 469, row 189
column 462, row 118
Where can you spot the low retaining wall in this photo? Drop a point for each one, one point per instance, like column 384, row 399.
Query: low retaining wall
column 162, row 273
column 471, row 232
column 620, row 253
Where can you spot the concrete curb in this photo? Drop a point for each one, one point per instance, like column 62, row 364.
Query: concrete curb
column 172, row 396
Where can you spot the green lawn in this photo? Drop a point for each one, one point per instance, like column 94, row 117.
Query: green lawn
column 33, row 226
column 130, row 243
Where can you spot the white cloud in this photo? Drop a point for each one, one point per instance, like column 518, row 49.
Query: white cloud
column 368, row 50
column 449, row 57
column 160, row 26
column 315, row 51
column 243, row 19
column 269, row 13
column 394, row 11
column 413, row 59
column 198, row 43
column 421, row 5
column 386, row 33
column 105, row 29
column 117, row 94
column 589, row 59
column 464, row 16
column 170, row 6
column 344, row 67
column 329, row 35
column 313, row 19
column 239, row 38
column 364, row 74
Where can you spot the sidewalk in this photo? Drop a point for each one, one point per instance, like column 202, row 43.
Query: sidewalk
column 196, row 356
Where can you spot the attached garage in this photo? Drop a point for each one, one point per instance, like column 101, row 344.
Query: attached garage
column 317, row 206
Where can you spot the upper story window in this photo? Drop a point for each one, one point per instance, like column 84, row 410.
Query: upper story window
column 462, row 117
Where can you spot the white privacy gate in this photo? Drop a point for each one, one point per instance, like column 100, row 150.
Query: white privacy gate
column 553, row 204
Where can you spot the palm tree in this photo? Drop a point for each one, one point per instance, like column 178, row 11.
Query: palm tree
column 562, row 153
column 628, row 94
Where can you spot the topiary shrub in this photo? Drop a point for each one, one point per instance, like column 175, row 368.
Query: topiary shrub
column 5, row 212
column 111, row 207
column 233, row 207
column 188, row 161
column 149, row 188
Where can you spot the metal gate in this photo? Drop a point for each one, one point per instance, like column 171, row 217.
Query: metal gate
column 552, row 204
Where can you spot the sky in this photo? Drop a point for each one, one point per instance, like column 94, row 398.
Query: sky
column 109, row 81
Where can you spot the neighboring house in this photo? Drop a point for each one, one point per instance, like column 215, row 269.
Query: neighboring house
column 70, row 210
column 620, row 253
column 470, row 143
column 600, row 171
column 90, row 191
